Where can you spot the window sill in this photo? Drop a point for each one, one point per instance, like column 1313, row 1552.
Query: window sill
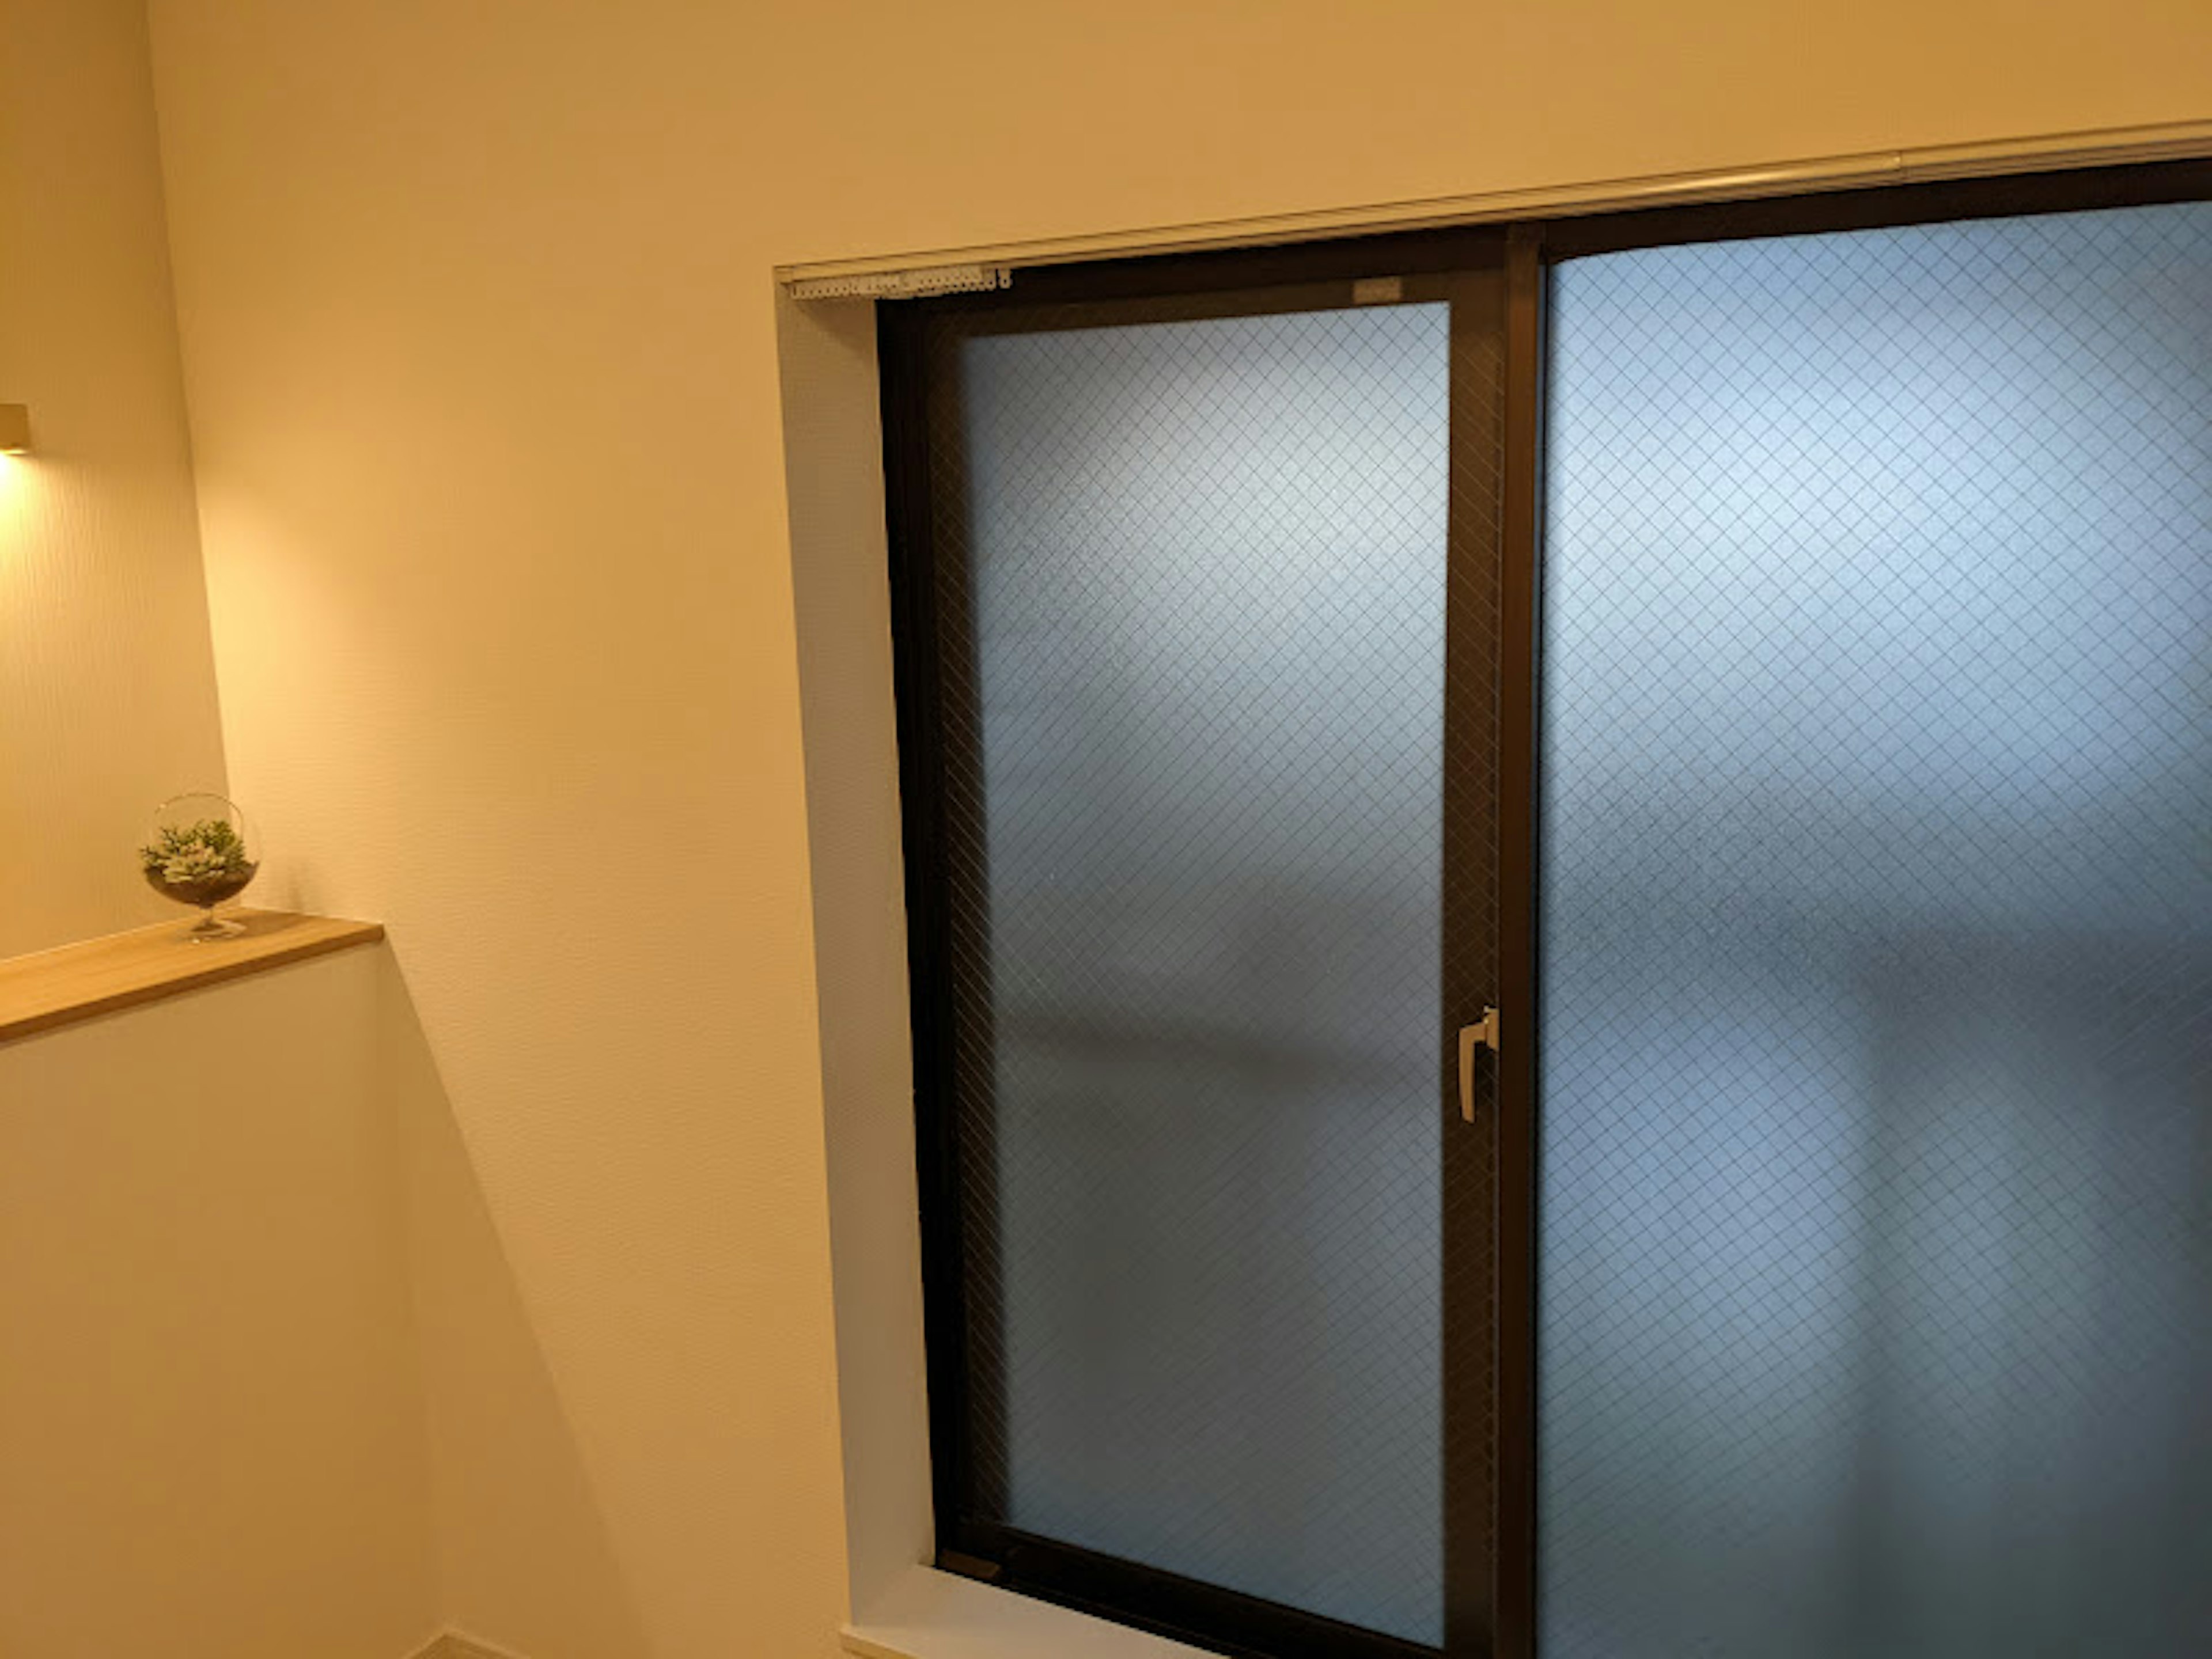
column 51, row 989
column 927, row 1614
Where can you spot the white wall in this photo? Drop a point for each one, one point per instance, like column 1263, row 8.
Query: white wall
column 481, row 347
column 212, row 1436
column 107, row 699
column 211, row 1428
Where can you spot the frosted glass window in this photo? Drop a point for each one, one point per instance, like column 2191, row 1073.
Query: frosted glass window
column 1876, row 946
column 1202, row 569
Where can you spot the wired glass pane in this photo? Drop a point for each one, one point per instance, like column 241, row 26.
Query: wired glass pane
column 1875, row 1233
column 1193, row 692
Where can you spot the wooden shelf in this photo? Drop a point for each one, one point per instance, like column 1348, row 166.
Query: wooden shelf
column 76, row 981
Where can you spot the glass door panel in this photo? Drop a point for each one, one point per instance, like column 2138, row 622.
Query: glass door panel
column 1875, row 1202
column 1207, row 587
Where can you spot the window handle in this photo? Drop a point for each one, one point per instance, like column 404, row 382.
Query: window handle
column 1482, row 1033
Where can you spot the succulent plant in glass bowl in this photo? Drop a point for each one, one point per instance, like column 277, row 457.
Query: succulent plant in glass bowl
column 199, row 855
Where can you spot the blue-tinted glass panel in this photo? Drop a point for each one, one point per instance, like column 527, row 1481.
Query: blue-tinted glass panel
column 1877, row 1048
column 1204, row 564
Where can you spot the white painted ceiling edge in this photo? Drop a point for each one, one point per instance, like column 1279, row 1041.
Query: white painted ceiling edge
column 963, row 269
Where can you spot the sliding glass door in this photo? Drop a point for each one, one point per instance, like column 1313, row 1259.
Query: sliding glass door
column 1560, row 895
column 1877, row 1112
column 1210, row 610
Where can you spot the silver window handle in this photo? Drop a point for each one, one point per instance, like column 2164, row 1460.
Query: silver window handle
column 1484, row 1032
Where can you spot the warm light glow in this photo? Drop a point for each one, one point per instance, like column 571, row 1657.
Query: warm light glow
column 20, row 492
column 15, row 429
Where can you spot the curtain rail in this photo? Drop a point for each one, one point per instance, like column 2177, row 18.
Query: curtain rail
column 922, row 272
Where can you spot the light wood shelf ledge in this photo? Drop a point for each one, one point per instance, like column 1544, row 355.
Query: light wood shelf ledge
column 72, row 982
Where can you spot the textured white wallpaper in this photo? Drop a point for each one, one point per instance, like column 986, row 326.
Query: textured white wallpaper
column 107, row 699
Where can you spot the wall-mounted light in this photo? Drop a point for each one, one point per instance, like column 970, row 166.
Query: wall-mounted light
column 15, row 429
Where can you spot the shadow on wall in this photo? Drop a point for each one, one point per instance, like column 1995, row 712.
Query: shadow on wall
column 517, row 1522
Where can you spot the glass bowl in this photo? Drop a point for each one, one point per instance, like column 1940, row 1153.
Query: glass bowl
column 200, row 854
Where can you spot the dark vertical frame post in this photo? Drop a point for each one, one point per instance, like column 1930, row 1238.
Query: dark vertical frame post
column 1515, row 1636
column 902, row 350
column 1469, row 896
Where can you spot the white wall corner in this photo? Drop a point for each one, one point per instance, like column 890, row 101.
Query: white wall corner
column 832, row 463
